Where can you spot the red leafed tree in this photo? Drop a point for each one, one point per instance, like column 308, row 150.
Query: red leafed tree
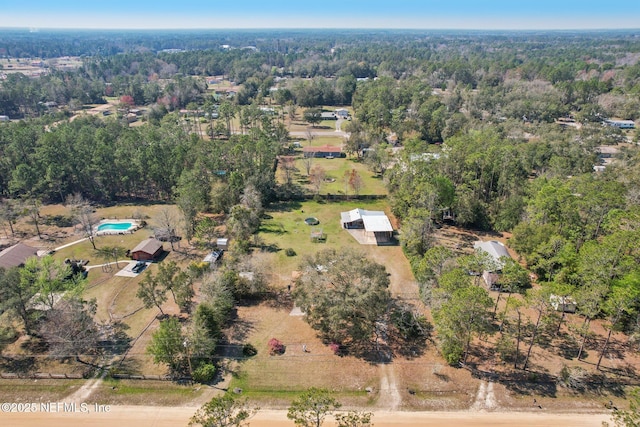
column 127, row 100
column 275, row 346
column 355, row 181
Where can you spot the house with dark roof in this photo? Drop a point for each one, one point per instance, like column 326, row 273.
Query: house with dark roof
column 147, row 250
column 326, row 151
column 16, row 255
column 342, row 113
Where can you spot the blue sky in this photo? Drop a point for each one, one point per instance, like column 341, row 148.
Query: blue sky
column 418, row 14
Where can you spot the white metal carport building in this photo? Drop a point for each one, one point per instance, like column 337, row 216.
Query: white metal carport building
column 376, row 224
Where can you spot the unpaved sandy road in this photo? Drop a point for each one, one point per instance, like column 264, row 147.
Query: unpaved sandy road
column 148, row 416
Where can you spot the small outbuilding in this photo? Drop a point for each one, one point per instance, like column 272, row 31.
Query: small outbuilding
column 564, row 304
column 213, row 257
column 147, row 250
column 16, row 255
column 341, row 113
column 222, row 243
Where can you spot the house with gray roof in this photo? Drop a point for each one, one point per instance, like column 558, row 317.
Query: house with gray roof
column 497, row 252
column 16, row 255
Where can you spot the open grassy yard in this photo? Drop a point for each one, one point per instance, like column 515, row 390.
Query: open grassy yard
column 335, row 170
column 115, row 295
column 285, row 228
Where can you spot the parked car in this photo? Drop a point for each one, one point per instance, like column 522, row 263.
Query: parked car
column 140, row 265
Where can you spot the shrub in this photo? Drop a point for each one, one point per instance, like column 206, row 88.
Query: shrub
column 204, row 373
column 248, row 350
column 7, row 336
column 275, row 347
column 335, row 348
column 506, row 348
column 290, row 252
column 573, row 377
column 452, row 351
column 198, row 269
column 59, row 220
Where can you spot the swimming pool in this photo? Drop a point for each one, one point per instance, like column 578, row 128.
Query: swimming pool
column 114, row 226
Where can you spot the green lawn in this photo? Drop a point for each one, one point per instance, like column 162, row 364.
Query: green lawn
column 285, row 228
column 335, row 170
column 133, row 392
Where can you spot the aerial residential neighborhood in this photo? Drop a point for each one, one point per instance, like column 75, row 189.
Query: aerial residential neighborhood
column 322, row 226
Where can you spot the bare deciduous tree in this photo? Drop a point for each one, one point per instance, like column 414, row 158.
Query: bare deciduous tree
column 84, row 215
column 164, row 226
column 70, row 330
column 317, row 177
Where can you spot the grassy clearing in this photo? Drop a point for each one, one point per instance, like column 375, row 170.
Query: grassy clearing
column 286, row 228
column 335, row 170
column 319, row 141
column 135, row 392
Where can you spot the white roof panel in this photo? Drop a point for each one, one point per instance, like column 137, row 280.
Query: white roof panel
column 376, row 223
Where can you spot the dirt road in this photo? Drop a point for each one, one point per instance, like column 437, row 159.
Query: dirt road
column 148, row 416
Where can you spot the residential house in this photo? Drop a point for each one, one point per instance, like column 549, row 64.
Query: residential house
column 620, row 124
column 497, row 251
column 16, row 255
column 326, row 151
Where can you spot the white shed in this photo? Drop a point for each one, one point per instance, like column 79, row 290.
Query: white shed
column 563, row 304
column 222, row 243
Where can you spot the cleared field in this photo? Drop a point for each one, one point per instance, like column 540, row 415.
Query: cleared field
column 41, row 390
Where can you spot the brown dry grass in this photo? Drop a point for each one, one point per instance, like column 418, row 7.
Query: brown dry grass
column 274, row 379
column 28, row 391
